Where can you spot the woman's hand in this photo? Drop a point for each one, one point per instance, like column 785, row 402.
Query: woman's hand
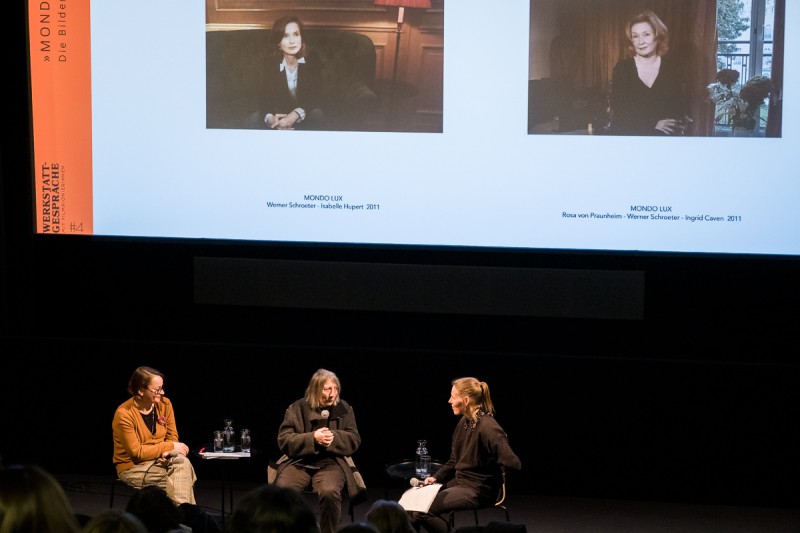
column 179, row 451
column 284, row 121
column 323, row 436
column 179, row 447
column 670, row 126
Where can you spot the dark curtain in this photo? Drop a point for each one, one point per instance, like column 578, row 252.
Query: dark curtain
column 775, row 116
column 592, row 40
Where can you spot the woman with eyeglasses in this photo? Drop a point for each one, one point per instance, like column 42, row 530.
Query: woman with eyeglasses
column 146, row 446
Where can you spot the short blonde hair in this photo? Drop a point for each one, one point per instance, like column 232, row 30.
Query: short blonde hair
column 659, row 28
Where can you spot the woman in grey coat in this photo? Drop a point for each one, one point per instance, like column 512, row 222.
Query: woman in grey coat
column 318, row 436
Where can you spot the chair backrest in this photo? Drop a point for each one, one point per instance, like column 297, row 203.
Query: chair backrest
column 498, row 504
column 501, row 497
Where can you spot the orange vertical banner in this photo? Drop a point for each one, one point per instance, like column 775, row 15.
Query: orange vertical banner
column 61, row 101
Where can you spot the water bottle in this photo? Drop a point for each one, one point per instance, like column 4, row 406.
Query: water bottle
column 228, row 436
column 423, row 460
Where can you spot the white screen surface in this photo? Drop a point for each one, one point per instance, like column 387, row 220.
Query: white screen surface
column 157, row 171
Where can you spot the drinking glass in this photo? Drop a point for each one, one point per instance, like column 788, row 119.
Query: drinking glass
column 245, row 440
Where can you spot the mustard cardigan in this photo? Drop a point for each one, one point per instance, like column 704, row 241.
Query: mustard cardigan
column 134, row 443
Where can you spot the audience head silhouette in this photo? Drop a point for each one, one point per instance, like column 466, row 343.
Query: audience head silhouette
column 114, row 521
column 155, row 509
column 388, row 516
column 272, row 509
column 32, row 501
column 357, row 527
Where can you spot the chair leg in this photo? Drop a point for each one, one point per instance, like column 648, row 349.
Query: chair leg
column 451, row 516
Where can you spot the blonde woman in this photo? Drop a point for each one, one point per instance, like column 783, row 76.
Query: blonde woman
column 479, row 455
column 647, row 89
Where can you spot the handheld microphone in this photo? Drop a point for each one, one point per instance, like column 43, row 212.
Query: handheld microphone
column 325, row 414
column 414, row 482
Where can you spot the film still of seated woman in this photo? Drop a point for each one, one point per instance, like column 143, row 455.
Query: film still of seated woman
column 288, row 91
column 648, row 93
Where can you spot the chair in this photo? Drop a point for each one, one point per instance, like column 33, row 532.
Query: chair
column 498, row 504
column 117, row 481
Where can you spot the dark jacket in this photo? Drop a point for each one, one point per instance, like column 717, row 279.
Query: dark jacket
column 296, row 441
column 478, row 457
column 637, row 108
column 269, row 93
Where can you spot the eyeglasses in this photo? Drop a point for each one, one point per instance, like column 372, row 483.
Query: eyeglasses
column 157, row 391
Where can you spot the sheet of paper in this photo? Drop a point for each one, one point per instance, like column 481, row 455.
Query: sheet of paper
column 224, row 455
column 419, row 498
